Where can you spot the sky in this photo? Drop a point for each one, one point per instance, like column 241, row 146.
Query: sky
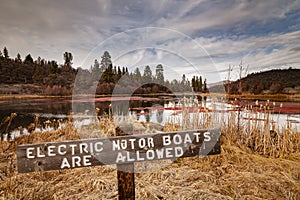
column 191, row 37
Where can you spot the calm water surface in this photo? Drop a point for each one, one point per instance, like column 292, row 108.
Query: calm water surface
column 59, row 108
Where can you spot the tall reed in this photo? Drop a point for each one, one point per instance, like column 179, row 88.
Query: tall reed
column 257, row 128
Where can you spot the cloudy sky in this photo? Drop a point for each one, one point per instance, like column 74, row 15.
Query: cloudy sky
column 187, row 36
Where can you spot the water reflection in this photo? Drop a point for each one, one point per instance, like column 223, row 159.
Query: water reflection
column 60, row 108
column 27, row 109
column 154, row 109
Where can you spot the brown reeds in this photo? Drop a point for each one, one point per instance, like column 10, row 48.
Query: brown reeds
column 263, row 164
column 7, row 123
column 258, row 130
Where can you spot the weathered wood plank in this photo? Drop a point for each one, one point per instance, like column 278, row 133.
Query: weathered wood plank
column 117, row 150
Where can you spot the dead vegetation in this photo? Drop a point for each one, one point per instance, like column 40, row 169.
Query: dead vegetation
column 252, row 165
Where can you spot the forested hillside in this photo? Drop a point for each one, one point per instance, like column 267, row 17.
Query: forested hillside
column 272, row 82
column 50, row 76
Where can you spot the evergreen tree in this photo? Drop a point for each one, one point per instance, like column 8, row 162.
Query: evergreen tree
column 5, row 53
column 193, row 82
column 137, row 75
column 105, row 61
column 68, row 57
column 160, row 74
column 18, row 58
column 119, row 73
column 53, row 67
column 95, row 70
column 28, row 59
column 108, row 74
column 205, row 89
column 197, row 84
column 183, row 81
column 200, row 84
column 96, row 65
column 147, row 76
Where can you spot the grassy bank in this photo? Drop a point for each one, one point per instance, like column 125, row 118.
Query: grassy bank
column 250, row 166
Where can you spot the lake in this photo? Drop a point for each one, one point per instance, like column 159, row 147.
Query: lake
column 60, row 108
column 157, row 109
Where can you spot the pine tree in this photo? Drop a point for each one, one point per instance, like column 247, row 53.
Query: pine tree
column 137, row 75
column 18, row 58
column 53, row 67
column 160, row 74
column 108, row 74
column 96, row 65
column 95, row 70
column 200, row 84
column 5, row 53
column 68, row 57
column 119, row 73
column 147, row 76
column 205, row 89
column 197, row 84
column 28, row 59
column 183, row 80
column 105, row 61
column 193, row 83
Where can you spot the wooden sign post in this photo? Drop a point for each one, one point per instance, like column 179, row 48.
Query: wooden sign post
column 125, row 172
column 123, row 151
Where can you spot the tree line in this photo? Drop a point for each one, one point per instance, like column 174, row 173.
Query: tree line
column 118, row 79
column 101, row 78
column 54, row 79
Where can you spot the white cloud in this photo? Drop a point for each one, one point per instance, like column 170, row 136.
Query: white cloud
column 87, row 29
column 220, row 14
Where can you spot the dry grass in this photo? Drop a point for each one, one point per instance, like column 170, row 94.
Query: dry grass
column 252, row 165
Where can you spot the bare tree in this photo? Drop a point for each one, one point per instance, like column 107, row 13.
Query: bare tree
column 242, row 71
column 228, row 78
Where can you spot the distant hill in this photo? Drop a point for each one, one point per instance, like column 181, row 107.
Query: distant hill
column 217, row 87
column 267, row 82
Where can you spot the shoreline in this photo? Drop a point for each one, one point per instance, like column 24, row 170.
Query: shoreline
column 271, row 97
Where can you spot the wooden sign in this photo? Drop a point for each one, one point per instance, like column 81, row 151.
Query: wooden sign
column 117, row 150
